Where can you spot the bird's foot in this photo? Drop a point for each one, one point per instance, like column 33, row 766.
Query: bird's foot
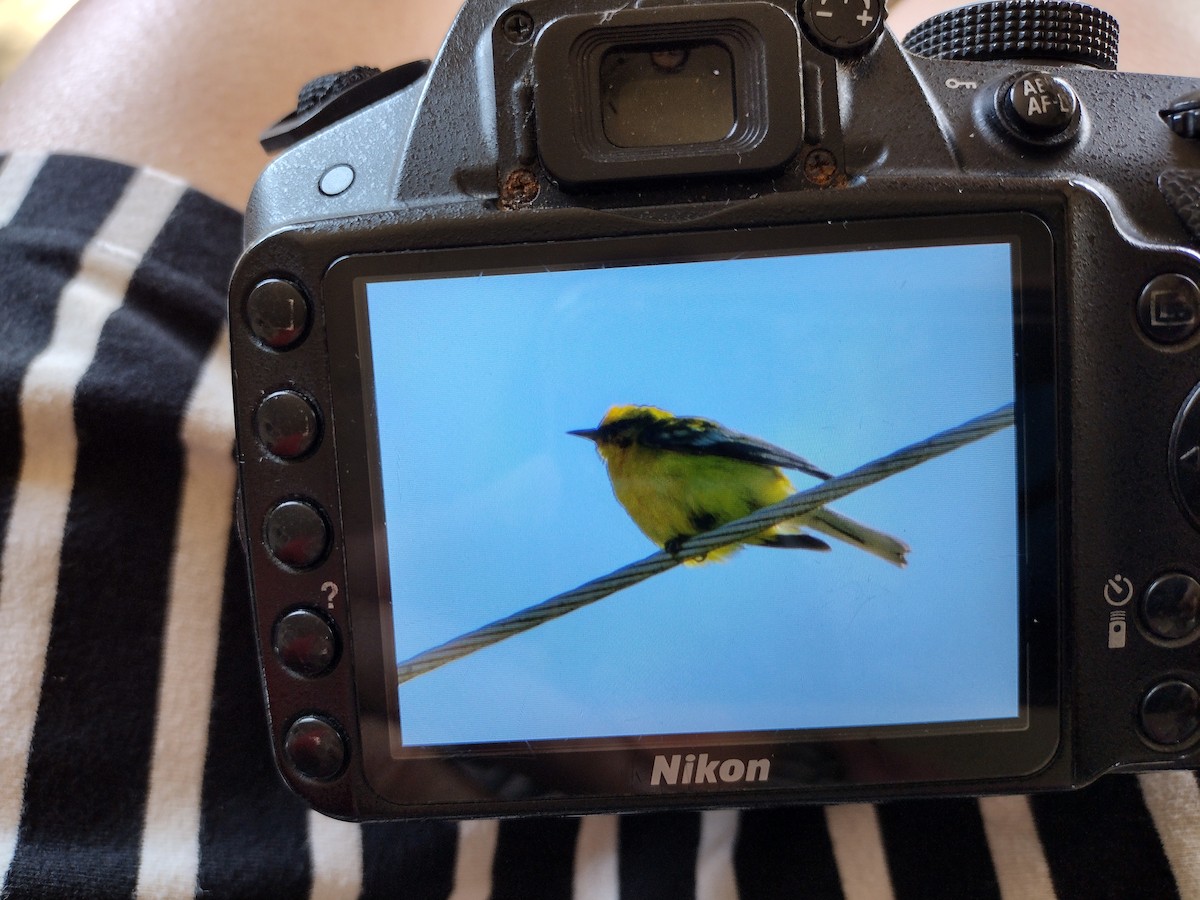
column 675, row 545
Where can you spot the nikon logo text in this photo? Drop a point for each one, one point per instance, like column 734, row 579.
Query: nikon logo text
column 699, row 769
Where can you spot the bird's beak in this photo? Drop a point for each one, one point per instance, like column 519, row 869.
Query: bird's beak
column 592, row 434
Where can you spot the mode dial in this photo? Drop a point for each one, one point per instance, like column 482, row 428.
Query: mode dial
column 1050, row 30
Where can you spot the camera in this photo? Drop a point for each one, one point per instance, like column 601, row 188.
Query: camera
column 696, row 404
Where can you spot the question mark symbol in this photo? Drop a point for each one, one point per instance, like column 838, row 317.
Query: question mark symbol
column 330, row 590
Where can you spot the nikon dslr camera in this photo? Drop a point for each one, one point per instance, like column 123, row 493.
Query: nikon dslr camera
column 668, row 404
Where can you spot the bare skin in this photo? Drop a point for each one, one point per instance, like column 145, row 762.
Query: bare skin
column 187, row 87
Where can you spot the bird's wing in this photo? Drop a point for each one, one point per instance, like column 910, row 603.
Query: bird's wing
column 704, row 437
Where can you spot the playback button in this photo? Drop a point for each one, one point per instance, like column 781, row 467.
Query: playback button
column 277, row 312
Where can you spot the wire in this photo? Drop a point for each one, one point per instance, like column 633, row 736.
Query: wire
column 796, row 506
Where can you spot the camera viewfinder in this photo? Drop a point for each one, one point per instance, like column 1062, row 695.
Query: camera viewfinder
column 667, row 95
column 668, row 92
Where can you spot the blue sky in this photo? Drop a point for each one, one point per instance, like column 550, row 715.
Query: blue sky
column 840, row 357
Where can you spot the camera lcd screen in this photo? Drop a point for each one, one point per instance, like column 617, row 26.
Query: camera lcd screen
column 487, row 504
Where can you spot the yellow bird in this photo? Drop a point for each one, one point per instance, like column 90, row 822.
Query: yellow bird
column 678, row 477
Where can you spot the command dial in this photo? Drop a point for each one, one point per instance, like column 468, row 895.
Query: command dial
column 1050, row 30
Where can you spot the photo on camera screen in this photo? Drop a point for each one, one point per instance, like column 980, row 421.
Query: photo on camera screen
column 840, row 357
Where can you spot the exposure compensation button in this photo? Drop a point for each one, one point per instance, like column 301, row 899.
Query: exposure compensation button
column 841, row 27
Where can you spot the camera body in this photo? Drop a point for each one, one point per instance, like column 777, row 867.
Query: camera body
column 775, row 214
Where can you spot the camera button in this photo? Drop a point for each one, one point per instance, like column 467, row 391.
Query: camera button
column 277, row 312
column 305, row 642
column 1169, row 309
column 296, row 534
column 315, row 747
column 1170, row 713
column 840, row 28
column 336, row 181
column 1183, row 116
column 1041, row 108
column 287, row 424
column 1171, row 608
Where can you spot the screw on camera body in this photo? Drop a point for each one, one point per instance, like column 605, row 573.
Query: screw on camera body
column 820, row 167
column 520, row 188
column 518, row 26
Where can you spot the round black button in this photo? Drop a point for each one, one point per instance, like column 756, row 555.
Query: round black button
column 1171, row 607
column 1041, row 106
column 287, row 424
column 839, row 26
column 296, row 534
column 1184, row 457
column 1169, row 309
column 305, row 642
column 278, row 313
column 1170, row 713
column 315, row 747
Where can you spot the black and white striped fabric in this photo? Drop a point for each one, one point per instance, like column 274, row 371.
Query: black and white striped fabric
column 133, row 746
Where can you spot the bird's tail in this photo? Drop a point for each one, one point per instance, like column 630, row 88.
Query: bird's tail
column 836, row 525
